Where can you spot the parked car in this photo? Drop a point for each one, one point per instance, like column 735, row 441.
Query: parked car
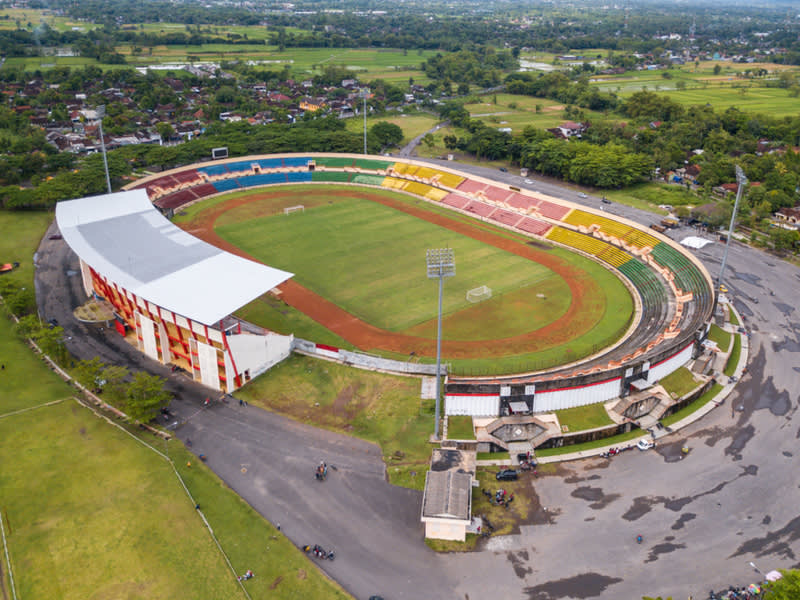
column 605, row 200
column 504, row 170
column 582, row 195
column 507, row 475
column 645, row 444
column 723, row 289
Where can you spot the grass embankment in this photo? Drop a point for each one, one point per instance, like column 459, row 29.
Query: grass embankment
column 679, row 382
column 721, row 337
column 733, row 359
column 380, row 408
column 694, row 406
column 610, row 441
column 581, row 418
column 90, row 512
column 460, row 428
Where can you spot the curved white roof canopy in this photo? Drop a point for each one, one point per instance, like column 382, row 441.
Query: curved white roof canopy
column 124, row 238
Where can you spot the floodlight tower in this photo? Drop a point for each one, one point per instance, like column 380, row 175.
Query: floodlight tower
column 101, row 112
column 441, row 263
column 742, row 181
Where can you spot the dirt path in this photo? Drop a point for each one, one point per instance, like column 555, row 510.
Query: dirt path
column 578, row 319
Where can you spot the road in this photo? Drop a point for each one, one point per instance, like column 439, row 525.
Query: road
column 732, row 500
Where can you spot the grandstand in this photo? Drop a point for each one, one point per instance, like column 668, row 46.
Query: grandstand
column 172, row 294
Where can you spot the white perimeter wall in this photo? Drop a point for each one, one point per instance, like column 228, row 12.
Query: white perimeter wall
column 209, row 370
column 148, row 333
column 472, row 405
column 257, row 353
column 551, row 400
column 669, row 365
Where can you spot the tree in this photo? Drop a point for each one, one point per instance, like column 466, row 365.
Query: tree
column 787, row 588
column 146, row 397
column 387, row 134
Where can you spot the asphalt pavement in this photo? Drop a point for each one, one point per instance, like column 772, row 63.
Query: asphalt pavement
column 704, row 517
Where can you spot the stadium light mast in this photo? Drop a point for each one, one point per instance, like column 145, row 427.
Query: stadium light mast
column 364, row 93
column 742, row 181
column 101, row 112
column 441, row 263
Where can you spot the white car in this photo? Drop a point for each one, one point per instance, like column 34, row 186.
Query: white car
column 645, row 444
column 582, row 195
column 529, row 182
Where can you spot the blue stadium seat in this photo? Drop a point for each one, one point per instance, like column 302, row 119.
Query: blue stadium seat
column 302, row 177
column 225, row 184
column 214, row 170
column 296, row 161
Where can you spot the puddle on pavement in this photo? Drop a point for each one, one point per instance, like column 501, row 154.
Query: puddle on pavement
column 585, row 585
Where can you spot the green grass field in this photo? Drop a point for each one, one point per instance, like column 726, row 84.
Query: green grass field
column 89, row 512
column 384, row 409
column 679, row 382
column 370, row 260
column 583, row 417
column 733, row 359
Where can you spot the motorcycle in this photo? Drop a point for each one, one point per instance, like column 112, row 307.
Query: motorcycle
column 318, row 551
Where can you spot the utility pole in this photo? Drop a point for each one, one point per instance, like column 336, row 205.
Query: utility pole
column 101, row 112
column 742, row 181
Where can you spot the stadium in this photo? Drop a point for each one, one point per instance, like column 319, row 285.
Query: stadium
column 622, row 306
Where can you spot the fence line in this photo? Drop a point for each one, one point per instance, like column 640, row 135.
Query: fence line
column 365, row 361
column 24, row 410
column 8, row 560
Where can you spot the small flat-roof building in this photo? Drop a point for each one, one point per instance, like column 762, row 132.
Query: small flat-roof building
column 447, row 500
column 172, row 293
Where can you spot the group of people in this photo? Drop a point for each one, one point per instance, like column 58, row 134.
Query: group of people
column 500, row 497
column 247, row 575
column 322, row 470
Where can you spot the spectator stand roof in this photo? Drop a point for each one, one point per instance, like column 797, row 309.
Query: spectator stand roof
column 124, row 238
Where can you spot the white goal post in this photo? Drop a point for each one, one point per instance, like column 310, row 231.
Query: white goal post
column 479, row 294
column 290, row 209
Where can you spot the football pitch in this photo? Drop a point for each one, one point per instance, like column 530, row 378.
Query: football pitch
column 370, row 260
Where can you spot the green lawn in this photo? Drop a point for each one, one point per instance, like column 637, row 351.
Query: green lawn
column 581, row 418
column 370, row 260
column 733, row 359
column 720, row 336
column 692, row 407
column 89, row 512
column 733, row 319
column 460, row 428
column 679, row 382
column 384, row 409
column 21, row 233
